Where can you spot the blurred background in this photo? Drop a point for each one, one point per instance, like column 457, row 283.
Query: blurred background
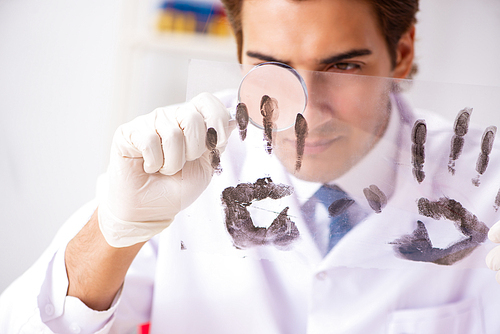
column 72, row 71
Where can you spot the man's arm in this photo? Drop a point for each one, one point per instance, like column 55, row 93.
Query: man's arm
column 95, row 269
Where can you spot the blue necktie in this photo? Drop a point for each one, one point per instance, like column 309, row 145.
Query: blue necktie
column 336, row 201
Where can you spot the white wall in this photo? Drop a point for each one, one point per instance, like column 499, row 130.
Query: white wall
column 458, row 41
column 57, row 77
column 56, row 83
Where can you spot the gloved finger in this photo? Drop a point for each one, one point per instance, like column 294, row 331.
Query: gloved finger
column 215, row 115
column 494, row 233
column 138, row 139
column 172, row 142
column 192, row 124
column 493, row 259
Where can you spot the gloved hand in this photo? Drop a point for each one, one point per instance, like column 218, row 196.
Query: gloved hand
column 159, row 165
column 493, row 257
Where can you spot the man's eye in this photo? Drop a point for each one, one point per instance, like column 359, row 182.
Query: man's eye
column 345, row 67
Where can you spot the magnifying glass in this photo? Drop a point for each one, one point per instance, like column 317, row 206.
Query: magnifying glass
column 273, row 92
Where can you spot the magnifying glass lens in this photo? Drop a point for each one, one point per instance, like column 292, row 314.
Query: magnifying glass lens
column 273, row 92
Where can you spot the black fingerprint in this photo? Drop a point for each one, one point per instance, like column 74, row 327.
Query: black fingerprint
column 242, row 119
column 339, row 206
column 301, row 131
column 211, row 144
column 418, row 137
column 497, row 201
column 375, row 197
column 460, row 129
column 483, row 158
column 268, row 110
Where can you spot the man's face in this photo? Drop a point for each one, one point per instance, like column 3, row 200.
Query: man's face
column 346, row 115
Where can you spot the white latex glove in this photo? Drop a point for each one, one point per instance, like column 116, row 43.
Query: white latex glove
column 493, row 257
column 159, row 165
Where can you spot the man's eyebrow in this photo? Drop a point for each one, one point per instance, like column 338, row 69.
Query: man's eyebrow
column 333, row 59
column 346, row 55
column 264, row 57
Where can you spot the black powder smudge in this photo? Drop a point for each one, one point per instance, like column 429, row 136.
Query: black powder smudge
column 486, row 147
column 460, row 128
column 242, row 119
column 497, row 201
column 428, row 208
column 418, row 246
column 339, row 206
column 211, row 139
column 301, row 131
column 375, row 197
column 183, row 247
column 215, row 161
column 453, row 210
column 268, row 110
column 281, row 233
column 211, row 144
column 418, row 137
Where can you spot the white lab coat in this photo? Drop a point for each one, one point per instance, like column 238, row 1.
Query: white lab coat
column 191, row 279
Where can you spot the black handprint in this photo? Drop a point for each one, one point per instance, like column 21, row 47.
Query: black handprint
column 281, row 233
column 418, row 246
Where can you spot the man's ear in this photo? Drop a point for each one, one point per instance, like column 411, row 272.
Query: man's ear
column 404, row 54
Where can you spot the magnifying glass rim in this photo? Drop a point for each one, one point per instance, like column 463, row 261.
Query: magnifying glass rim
column 289, row 68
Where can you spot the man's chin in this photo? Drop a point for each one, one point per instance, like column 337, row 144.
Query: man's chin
column 311, row 171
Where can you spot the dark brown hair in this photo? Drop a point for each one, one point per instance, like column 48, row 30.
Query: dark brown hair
column 395, row 17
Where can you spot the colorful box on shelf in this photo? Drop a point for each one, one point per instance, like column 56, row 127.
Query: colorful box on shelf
column 193, row 17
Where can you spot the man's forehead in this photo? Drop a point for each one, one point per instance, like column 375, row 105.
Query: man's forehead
column 322, row 33
column 339, row 20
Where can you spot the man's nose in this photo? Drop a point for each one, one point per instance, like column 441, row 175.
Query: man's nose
column 320, row 103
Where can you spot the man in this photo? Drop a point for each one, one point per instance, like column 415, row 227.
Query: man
column 113, row 273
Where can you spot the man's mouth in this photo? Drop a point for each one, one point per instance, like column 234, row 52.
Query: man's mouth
column 315, row 146
column 318, row 146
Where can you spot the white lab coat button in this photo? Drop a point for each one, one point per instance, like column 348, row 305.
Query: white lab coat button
column 74, row 328
column 49, row 309
column 322, row 275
